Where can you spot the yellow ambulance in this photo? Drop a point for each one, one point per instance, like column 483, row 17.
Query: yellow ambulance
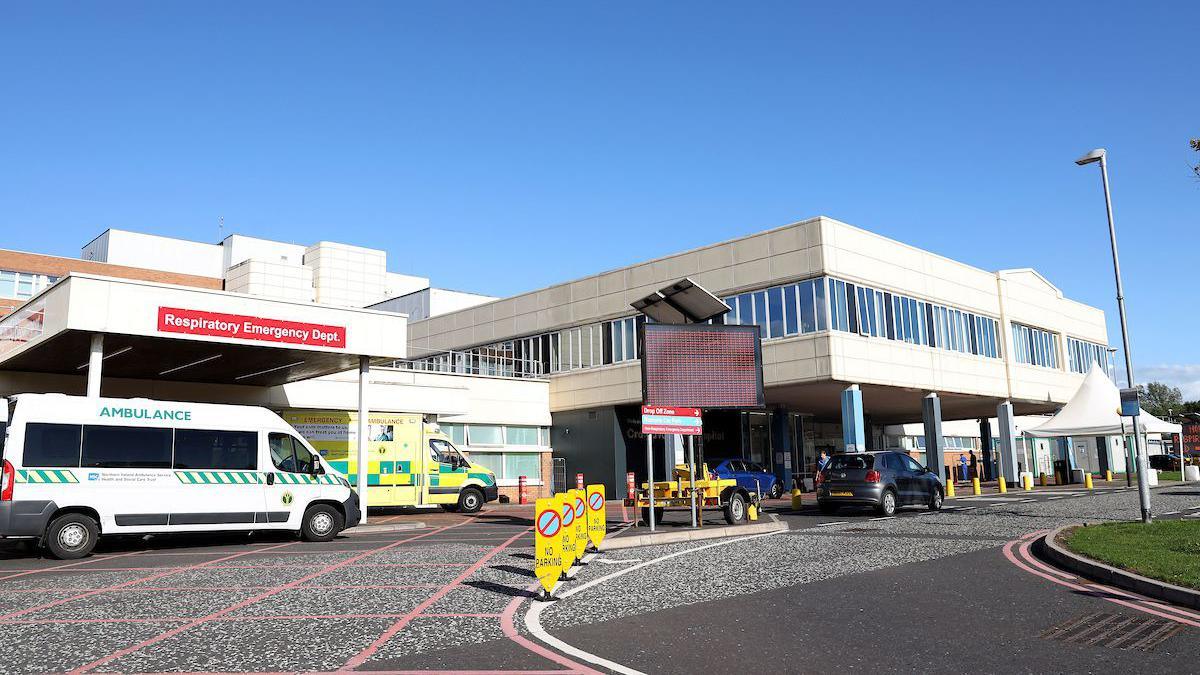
column 412, row 463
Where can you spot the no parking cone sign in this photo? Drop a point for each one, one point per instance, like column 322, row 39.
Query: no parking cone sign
column 596, row 515
column 547, row 562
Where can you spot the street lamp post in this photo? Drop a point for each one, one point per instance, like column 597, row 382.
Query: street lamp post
column 1099, row 155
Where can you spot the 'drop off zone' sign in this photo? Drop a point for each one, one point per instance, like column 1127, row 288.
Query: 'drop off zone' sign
column 665, row 420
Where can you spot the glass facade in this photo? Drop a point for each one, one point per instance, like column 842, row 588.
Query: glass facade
column 1082, row 354
column 1034, row 346
column 788, row 310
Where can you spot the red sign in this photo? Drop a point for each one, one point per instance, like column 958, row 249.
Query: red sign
column 658, row 419
column 216, row 324
column 1191, row 439
column 701, row 365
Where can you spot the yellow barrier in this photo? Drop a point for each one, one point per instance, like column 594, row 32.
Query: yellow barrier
column 796, row 499
column 950, row 489
column 1087, row 481
column 1042, row 479
column 975, row 486
column 1027, row 481
column 752, row 512
column 1001, row 485
column 1108, row 476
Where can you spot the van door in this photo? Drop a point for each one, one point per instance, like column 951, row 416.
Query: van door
column 219, row 480
column 290, row 483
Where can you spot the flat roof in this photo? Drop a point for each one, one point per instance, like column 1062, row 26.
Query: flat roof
column 155, row 331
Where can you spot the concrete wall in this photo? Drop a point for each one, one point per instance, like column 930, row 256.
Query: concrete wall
column 168, row 254
column 281, row 281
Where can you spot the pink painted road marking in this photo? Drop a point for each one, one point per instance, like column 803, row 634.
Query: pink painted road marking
column 361, row 657
column 68, row 565
column 509, row 626
column 249, row 601
column 1095, row 590
column 152, row 577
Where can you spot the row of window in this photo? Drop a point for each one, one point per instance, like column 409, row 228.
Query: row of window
column 780, row 311
column 867, row 311
column 1034, row 346
column 495, row 434
column 23, row 285
column 108, row 447
column 1082, row 354
column 511, row 465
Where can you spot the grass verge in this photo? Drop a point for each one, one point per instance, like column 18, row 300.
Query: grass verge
column 1168, row 550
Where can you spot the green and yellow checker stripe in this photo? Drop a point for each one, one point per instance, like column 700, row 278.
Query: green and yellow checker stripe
column 305, row 479
column 219, row 477
column 46, row 476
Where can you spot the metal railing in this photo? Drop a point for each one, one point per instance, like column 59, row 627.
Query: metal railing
column 22, row 326
column 474, row 363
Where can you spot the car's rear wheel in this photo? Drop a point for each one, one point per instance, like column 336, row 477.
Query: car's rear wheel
column 735, row 509
column 887, row 503
column 72, row 536
column 776, row 490
column 827, row 508
column 935, row 500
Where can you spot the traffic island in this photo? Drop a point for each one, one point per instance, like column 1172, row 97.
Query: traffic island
column 1122, row 554
column 676, row 528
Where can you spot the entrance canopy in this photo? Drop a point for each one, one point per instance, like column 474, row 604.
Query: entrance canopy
column 1095, row 410
column 152, row 331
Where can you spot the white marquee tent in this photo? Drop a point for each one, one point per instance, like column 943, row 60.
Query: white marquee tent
column 1095, row 410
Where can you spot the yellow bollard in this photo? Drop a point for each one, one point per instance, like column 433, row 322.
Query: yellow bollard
column 1042, row 479
column 949, row 489
column 1087, row 481
column 1027, row 480
column 796, row 499
column 1108, row 476
column 975, row 486
column 1001, row 484
column 752, row 512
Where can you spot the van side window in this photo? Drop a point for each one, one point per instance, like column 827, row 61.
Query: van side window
column 289, row 454
column 126, row 447
column 52, row 445
column 228, row 450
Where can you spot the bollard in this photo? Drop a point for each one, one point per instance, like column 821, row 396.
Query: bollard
column 578, row 481
column 796, row 499
column 752, row 512
column 1108, row 476
column 1042, row 479
column 975, row 486
column 949, row 489
column 1000, row 484
column 1027, row 480
column 1087, row 481
column 630, row 485
column 522, row 490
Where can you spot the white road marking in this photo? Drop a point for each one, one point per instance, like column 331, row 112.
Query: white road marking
column 533, row 616
column 836, row 522
column 615, row 561
column 965, row 508
column 879, row 518
column 1059, row 497
column 1168, row 513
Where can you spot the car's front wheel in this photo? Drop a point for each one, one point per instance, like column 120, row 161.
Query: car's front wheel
column 935, row 500
column 887, row 503
column 776, row 490
column 321, row 522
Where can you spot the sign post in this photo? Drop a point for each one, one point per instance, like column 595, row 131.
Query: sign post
column 597, row 516
column 547, row 562
column 657, row 419
column 567, row 510
column 579, row 503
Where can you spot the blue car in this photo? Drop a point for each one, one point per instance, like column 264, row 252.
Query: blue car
column 750, row 477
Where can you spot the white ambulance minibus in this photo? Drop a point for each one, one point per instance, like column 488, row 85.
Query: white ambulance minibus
column 76, row 468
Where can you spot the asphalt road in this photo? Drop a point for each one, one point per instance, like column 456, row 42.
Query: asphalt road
column 951, row 591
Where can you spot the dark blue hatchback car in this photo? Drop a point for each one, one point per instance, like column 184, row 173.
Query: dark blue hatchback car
column 750, row 477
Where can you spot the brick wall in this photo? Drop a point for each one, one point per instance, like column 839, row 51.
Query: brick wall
column 36, row 263
column 535, row 491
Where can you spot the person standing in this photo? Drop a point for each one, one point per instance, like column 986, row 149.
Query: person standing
column 974, row 465
column 962, row 466
column 822, row 461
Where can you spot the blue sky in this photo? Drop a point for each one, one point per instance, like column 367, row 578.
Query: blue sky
column 500, row 147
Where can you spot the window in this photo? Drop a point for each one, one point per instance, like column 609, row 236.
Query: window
column 456, row 432
column 481, row 434
column 289, row 454
column 911, row 464
column 228, row 450
column 521, row 435
column 23, row 285
column 775, row 322
column 52, row 445
column 850, row 462
column 493, row 461
column 1034, row 346
column 544, row 436
column 126, row 447
column 517, row 464
column 443, row 452
column 1082, row 354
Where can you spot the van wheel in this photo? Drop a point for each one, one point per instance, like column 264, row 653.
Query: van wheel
column 735, row 509
column 72, row 536
column 321, row 522
column 470, row 500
